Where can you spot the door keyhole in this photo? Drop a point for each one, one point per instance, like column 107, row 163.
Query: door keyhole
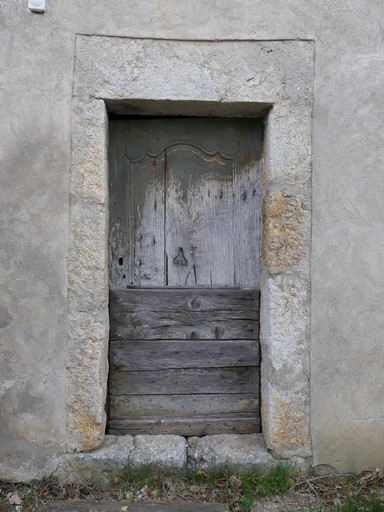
column 180, row 259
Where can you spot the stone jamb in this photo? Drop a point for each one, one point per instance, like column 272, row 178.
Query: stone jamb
column 226, row 78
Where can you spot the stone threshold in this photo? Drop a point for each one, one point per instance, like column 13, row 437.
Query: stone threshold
column 108, row 506
column 167, row 452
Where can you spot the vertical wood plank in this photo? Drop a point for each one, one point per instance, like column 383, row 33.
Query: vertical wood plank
column 198, row 218
column 136, row 216
column 146, row 220
column 247, row 224
column 247, row 204
column 119, row 229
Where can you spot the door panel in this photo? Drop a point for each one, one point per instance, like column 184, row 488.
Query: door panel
column 185, row 224
column 184, row 361
column 199, row 208
column 190, row 184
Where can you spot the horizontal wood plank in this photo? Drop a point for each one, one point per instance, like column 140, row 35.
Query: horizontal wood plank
column 185, row 381
column 151, row 326
column 245, row 424
column 127, row 355
column 167, row 300
column 173, row 406
column 184, row 314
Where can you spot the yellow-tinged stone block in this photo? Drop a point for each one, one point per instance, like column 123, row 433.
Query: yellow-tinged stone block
column 283, row 240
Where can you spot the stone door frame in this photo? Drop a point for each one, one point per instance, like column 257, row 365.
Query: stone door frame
column 273, row 79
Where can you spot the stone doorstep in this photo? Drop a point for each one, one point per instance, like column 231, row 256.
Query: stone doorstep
column 110, row 506
column 167, row 452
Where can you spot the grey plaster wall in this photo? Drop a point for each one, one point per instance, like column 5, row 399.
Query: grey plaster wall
column 36, row 62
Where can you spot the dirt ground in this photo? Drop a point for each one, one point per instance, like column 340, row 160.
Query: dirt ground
column 278, row 490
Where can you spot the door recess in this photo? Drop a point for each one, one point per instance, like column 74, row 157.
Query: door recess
column 185, row 229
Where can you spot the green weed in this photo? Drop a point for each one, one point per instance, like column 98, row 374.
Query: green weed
column 354, row 505
column 361, row 506
column 239, row 488
column 276, row 481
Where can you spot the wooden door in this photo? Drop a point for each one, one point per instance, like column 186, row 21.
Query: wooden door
column 185, row 216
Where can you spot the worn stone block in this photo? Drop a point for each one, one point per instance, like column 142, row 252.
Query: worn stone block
column 248, row 450
column 118, row 452
column 112, row 455
column 109, row 506
column 285, row 365
column 285, row 236
column 166, row 451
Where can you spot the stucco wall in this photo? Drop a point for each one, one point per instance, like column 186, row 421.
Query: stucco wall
column 37, row 61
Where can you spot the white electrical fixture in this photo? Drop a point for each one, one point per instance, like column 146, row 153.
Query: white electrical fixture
column 37, row 5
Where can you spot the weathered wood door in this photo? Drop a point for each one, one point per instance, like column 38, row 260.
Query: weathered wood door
column 185, row 198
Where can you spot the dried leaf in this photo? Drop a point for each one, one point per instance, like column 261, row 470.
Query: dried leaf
column 124, row 509
column 235, row 482
column 14, row 498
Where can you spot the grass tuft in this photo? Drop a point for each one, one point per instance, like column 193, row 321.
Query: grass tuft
column 242, row 490
column 276, row 481
column 354, row 505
